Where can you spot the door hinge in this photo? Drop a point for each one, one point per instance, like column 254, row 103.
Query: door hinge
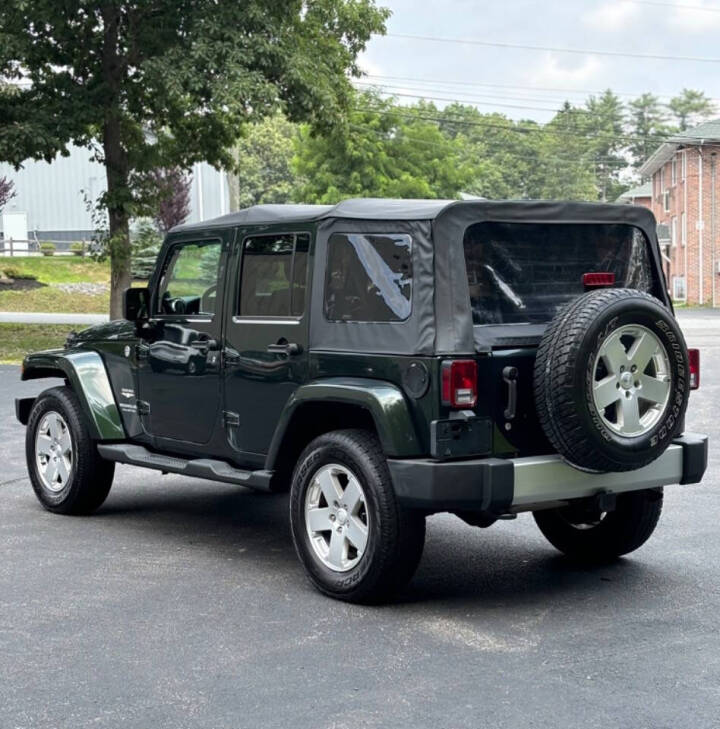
column 143, row 407
column 232, row 420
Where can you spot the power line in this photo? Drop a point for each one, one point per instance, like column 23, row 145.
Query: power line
column 674, row 6
column 447, row 82
column 571, row 161
column 574, row 131
column 480, row 103
column 579, row 51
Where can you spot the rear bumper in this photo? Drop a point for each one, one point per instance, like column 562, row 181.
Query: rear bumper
column 501, row 486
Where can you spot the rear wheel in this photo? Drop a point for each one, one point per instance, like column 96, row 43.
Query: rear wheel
column 586, row 534
column 66, row 472
column 354, row 540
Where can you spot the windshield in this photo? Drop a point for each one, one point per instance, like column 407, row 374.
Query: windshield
column 522, row 273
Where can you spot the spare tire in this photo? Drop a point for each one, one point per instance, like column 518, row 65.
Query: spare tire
column 611, row 380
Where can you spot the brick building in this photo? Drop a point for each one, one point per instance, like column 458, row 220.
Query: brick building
column 685, row 198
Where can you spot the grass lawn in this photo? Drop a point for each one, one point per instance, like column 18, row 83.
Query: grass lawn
column 50, row 299
column 56, row 270
column 59, row 269
column 16, row 340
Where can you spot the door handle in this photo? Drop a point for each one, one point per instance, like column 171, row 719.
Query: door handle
column 205, row 345
column 285, row 347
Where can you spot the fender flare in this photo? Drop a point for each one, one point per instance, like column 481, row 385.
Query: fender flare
column 85, row 372
column 384, row 401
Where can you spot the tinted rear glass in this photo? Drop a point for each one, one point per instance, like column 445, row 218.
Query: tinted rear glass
column 525, row 272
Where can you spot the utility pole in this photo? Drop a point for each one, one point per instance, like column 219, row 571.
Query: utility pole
column 713, row 207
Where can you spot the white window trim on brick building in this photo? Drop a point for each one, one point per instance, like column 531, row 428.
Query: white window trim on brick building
column 683, row 229
column 684, row 165
column 673, row 172
column 673, row 231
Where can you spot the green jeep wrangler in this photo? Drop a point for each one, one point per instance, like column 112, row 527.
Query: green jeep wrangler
column 386, row 360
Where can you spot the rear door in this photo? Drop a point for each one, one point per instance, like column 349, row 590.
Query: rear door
column 266, row 339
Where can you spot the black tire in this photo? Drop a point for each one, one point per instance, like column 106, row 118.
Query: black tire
column 584, row 536
column 395, row 538
column 90, row 476
column 565, row 372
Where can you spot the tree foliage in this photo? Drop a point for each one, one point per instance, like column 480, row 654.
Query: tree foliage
column 384, row 151
column 172, row 204
column 263, row 163
column 166, row 83
column 7, row 192
column 690, row 107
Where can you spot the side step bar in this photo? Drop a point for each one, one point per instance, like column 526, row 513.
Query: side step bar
column 137, row 455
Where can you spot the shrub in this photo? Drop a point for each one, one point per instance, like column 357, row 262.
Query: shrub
column 47, row 248
column 16, row 273
column 77, row 248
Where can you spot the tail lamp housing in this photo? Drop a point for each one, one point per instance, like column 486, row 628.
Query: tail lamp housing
column 694, row 362
column 459, row 383
column 598, row 280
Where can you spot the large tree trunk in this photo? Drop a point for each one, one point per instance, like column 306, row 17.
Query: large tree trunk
column 118, row 196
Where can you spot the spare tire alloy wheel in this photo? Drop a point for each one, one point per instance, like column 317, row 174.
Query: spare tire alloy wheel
column 336, row 517
column 611, row 380
column 632, row 380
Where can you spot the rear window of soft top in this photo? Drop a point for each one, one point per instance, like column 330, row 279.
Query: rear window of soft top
column 523, row 273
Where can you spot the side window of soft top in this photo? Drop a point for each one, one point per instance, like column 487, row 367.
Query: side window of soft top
column 189, row 281
column 273, row 280
column 368, row 277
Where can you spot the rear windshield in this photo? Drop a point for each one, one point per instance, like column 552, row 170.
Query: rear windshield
column 523, row 273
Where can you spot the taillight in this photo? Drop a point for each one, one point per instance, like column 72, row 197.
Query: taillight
column 694, row 361
column 598, row 280
column 459, row 383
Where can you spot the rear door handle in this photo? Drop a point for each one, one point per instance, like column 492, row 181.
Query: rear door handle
column 283, row 347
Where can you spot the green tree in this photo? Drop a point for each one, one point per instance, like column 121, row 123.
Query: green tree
column 606, row 117
column 167, row 83
column 502, row 154
column 567, row 159
column 690, row 107
column 264, row 163
column 648, row 125
column 145, row 246
column 385, row 151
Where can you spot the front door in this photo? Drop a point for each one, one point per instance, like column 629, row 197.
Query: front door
column 266, row 337
column 179, row 361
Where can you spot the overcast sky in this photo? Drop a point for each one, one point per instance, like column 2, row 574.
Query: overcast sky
column 649, row 27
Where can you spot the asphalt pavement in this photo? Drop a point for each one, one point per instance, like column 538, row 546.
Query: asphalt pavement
column 181, row 604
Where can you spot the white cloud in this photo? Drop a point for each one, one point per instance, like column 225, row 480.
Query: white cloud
column 693, row 19
column 572, row 72
column 612, row 16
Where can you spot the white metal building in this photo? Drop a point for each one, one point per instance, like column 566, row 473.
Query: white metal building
column 50, row 199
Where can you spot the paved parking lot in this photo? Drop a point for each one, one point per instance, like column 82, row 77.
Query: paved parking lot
column 181, row 604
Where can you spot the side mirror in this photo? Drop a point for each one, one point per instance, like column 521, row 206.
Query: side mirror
column 136, row 304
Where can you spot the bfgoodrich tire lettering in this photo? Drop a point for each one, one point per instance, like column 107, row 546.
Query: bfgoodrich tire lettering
column 89, row 477
column 570, row 366
column 395, row 536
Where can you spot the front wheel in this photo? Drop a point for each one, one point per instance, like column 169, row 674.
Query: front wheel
column 353, row 538
column 586, row 534
column 66, row 472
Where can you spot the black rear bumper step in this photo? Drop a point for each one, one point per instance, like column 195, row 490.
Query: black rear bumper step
column 215, row 470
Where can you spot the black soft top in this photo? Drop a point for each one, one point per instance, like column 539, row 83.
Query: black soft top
column 440, row 320
column 395, row 209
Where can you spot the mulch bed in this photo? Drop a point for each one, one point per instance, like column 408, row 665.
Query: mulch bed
column 19, row 284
